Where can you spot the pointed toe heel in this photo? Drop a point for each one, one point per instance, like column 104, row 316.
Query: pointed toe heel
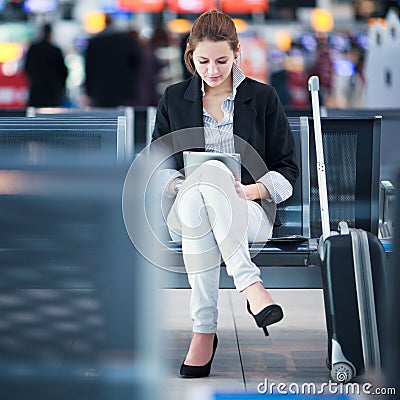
column 267, row 316
column 202, row 371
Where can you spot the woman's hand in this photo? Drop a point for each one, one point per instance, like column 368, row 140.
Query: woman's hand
column 175, row 186
column 251, row 192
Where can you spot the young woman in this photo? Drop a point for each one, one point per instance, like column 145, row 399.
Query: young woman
column 213, row 215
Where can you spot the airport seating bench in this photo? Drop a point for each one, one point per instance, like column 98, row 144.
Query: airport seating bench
column 352, row 148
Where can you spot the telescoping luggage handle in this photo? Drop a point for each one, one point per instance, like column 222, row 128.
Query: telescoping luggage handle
column 313, row 87
column 361, row 254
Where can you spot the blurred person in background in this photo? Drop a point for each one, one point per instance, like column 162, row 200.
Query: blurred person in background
column 297, row 77
column 46, row 72
column 153, row 67
column 323, row 68
column 279, row 79
column 161, row 65
column 168, row 53
column 112, row 63
column 356, row 89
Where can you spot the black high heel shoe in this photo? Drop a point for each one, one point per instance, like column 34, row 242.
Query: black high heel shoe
column 267, row 316
column 192, row 371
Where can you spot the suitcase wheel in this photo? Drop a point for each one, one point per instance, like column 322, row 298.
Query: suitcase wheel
column 342, row 372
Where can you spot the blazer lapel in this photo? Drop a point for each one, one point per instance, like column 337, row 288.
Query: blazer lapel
column 192, row 112
column 192, row 117
column 245, row 116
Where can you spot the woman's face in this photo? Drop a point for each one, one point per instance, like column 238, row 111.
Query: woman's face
column 213, row 62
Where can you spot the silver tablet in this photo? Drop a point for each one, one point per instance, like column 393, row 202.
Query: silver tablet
column 192, row 159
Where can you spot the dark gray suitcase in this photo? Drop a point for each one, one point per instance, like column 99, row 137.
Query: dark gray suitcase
column 353, row 274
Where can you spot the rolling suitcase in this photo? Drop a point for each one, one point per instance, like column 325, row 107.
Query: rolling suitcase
column 353, row 275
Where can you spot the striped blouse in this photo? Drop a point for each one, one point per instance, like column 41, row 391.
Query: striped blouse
column 219, row 138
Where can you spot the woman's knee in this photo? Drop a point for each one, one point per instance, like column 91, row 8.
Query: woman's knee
column 190, row 202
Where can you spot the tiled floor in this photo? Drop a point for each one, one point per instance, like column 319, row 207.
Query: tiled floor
column 294, row 352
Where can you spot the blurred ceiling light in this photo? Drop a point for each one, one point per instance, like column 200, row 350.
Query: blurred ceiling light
column 244, row 6
column 40, row 6
column 179, row 25
column 141, row 5
column 380, row 21
column 190, row 6
column 9, row 68
column 240, row 24
column 94, row 22
column 10, row 52
column 344, row 67
column 283, row 40
column 321, row 20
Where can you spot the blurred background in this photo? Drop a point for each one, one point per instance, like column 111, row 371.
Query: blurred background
column 283, row 43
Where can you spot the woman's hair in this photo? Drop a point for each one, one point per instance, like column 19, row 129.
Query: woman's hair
column 213, row 26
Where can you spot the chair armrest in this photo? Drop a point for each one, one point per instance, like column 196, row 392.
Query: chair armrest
column 386, row 195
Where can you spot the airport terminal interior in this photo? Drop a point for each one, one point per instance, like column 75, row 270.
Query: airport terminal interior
column 94, row 296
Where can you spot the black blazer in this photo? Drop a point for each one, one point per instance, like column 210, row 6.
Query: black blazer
column 259, row 120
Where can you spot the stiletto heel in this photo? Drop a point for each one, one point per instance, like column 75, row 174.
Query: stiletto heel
column 192, row 371
column 267, row 316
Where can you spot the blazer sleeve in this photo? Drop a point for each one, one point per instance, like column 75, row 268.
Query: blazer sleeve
column 162, row 146
column 280, row 147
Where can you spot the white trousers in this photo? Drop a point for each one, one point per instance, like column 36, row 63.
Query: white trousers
column 213, row 222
